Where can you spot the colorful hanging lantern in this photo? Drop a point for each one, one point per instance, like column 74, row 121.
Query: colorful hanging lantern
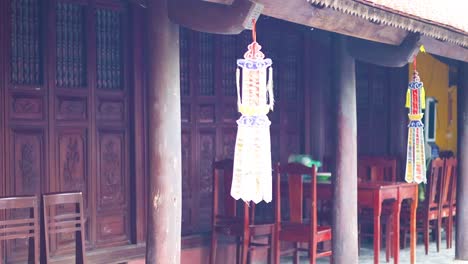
column 415, row 159
column 252, row 155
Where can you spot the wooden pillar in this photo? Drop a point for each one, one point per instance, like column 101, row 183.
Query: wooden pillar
column 461, row 246
column 163, row 240
column 345, row 229
column 318, row 79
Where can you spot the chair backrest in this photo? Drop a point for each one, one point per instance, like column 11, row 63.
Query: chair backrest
column 434, row 184
column 20, row 228
column 377, row 168
column 55, row 223
column 294, row 173
column 223, row 171
column 449, row 194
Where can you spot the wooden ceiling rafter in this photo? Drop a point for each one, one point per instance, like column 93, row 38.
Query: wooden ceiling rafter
column 384, row 54
column 213, row 17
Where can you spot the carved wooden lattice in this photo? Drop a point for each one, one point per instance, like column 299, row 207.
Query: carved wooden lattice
column 270, row 42
column 184, row 62
column 109, row 49
column 26, row 65
column 206, row 64
column 70, row 67
column 228, row 64
column 290, row 79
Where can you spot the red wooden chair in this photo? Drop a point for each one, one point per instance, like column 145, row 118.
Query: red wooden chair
column 297, row 229
column 21, row 228
column 377, row 168
column 372, row 168
column 448, row 197
column 230, row 222
column 55, row 223
column 428, row 211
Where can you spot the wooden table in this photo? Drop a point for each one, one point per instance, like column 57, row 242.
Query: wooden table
column 372, row 195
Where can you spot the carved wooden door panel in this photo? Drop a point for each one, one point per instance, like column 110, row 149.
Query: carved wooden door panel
column 111, row 126
column 24, row 107
column 66, row 112
column 89, row 124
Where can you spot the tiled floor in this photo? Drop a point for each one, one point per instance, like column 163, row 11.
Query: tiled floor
column 445, row 256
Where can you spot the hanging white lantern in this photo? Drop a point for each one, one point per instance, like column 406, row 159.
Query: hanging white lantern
column 252, row 173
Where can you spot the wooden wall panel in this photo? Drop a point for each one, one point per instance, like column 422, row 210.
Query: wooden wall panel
column 373, row 109
column 72, row 156
column 138, row 133
column 111, row 124
column 27, row 107
column 27, row 163
column 187, row 194
column 112, row 187
column 65, row 103
column 207, row 153
column 27, row 156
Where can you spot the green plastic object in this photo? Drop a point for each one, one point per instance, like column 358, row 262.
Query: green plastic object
column 323, row 176
column 304, row 160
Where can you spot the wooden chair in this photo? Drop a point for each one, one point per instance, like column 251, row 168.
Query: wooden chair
column 377, row 168
column 373, row 168
column 297, row 229
column 230, row 222
column 64, row 223
column 27, row 227
column 429, row 210
column 448, row 197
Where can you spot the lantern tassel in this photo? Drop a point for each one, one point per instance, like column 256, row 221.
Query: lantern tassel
column 239, row 102
column 270, row 89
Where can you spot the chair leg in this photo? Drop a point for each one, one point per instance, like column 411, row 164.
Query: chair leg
column 238, row 249
column 359, row 239
column 403, row 239
column 313, row 252
column 214, row 244
column 270, row 250
column 276, row 248
column 296, row 253
column 450, row 231
column 439, row 233
column 245, row 248
column 426, row 236
column 388, row 244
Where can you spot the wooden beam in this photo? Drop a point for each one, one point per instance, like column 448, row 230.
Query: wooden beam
column 163, row 240
column 384, row 54
column 214, row 18
column 461, row 245
column 444, row 49
column 345, row 228
column 301, row 12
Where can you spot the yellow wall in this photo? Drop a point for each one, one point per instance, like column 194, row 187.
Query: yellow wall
column 435, row 76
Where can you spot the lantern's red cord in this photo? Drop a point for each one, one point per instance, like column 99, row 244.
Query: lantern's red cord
column 254, row 31
column 414, row 64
